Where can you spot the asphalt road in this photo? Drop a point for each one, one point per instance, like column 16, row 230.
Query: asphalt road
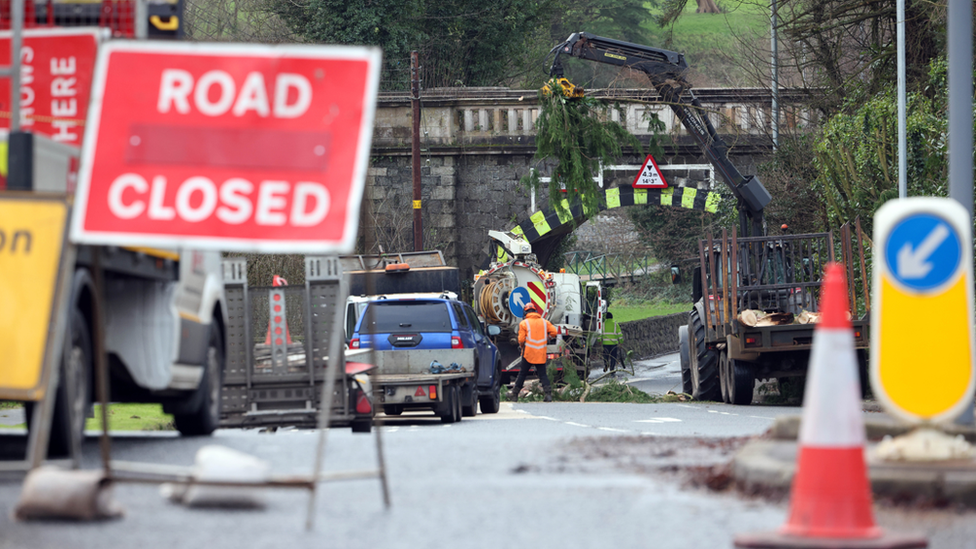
column 561, row 475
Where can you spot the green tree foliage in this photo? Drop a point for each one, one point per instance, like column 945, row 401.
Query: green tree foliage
column 577, row 134
column 461, row 42
column 847, row 47
column 856, row 156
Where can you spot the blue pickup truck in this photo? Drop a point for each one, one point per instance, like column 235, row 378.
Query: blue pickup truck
column 432, row 354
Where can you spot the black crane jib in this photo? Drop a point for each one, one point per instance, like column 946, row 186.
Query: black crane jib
column 666, row 70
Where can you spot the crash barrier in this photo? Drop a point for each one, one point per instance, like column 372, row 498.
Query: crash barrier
column 653, row 336
column 830, row 502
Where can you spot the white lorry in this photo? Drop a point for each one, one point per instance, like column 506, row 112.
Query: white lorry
column 164, row 316
column 576, row 307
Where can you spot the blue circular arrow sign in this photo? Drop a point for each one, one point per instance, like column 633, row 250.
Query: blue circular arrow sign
column 923, row 252
column 517, row 300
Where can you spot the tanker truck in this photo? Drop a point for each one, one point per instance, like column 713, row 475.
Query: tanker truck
column 513, row 279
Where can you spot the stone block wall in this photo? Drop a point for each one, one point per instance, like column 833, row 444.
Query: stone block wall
column 653, row 336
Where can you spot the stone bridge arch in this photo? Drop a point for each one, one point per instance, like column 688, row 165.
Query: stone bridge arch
column 546, row 228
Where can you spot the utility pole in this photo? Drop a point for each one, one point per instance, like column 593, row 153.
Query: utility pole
column 902, row 101
column 960, row 32
column 418, row 228
column 774, row 46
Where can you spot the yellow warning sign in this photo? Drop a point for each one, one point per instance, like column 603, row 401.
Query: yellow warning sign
column 32, row 235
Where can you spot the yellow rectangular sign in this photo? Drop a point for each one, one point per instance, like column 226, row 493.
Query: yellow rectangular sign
column 32, row 236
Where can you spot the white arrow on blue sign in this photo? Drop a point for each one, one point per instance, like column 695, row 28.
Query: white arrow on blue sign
column 923, row 252
column 517, row 301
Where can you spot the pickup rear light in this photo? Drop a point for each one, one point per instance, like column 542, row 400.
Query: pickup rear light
column 432, row 392
column 362, row 403
column 456, row 342
column 752, row 342
column 354, row 343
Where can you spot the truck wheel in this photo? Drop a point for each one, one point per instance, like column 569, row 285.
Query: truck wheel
column 684, row 353
column 723, row 376
column 205, row 419
column 392, row 409
column 741, row 382
column 491, row 402
column 451, row 413
column 469, row 407
column 73, row 395
column 706, row 375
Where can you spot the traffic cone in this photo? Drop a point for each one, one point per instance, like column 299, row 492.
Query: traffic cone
column 277, row 319
column 830, row 503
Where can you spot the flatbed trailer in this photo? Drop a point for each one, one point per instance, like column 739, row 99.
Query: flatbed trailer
column 723, row 356
column 278, row 340
column 405, row 382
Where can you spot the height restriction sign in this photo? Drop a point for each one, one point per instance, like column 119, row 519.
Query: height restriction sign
column 922, row 313
column 650, row 176
column 227, row 146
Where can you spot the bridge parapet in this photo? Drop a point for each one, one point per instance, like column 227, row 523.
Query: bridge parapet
column 459, row 116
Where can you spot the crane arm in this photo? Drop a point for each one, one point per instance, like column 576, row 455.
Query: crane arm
column 666, row 70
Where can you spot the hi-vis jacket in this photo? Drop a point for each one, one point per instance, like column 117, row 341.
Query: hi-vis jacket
column 534, row 332
column 611, row 333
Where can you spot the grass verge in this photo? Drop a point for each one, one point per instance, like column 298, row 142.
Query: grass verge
column 132, row 417
column 121, row 417
column 626, row 311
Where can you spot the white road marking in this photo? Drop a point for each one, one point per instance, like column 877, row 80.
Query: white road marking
column 687, row 406
column 761, row 417
column 613, row 430
column 547, row 418
column 658, row 420
column 576, row 424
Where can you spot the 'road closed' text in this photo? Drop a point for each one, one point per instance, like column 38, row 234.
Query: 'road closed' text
column 235, row 201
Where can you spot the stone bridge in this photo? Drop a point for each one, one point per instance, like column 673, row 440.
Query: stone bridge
column 477, row 143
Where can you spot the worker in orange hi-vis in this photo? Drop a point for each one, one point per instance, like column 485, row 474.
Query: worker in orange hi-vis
column 533, row 335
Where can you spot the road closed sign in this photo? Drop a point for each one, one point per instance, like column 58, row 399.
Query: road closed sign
column 922, row 311
column 227, row 146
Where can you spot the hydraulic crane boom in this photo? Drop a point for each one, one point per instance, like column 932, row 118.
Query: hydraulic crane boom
column 666, row 71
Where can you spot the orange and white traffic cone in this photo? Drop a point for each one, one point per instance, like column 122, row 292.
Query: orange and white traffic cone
column 830, row 503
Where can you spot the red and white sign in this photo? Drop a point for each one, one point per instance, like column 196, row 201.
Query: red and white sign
column 227, row 146
column 650, row 176
column 56, row 72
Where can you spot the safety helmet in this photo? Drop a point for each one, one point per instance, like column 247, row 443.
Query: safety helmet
column 530, row 308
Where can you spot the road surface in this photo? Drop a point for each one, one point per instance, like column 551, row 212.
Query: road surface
column 560, row 475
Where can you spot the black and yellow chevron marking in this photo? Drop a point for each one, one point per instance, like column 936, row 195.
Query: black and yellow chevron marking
column 545, row 221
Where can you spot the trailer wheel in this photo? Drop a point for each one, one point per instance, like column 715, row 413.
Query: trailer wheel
column 491, row 402
column 684, row 352
column 452, row 412
column 469, row 406
column 73, row 394
column 706, row 378
column 741, row 382
column 206, row 416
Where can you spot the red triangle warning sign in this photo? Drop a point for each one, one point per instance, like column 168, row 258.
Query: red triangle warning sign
column 650, row 176
column 420, row 392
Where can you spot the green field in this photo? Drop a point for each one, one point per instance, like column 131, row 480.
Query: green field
column 712, row 42
column 627, row 311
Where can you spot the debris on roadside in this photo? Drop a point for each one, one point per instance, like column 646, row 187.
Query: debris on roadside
column 54, row 493
column 221, row 464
